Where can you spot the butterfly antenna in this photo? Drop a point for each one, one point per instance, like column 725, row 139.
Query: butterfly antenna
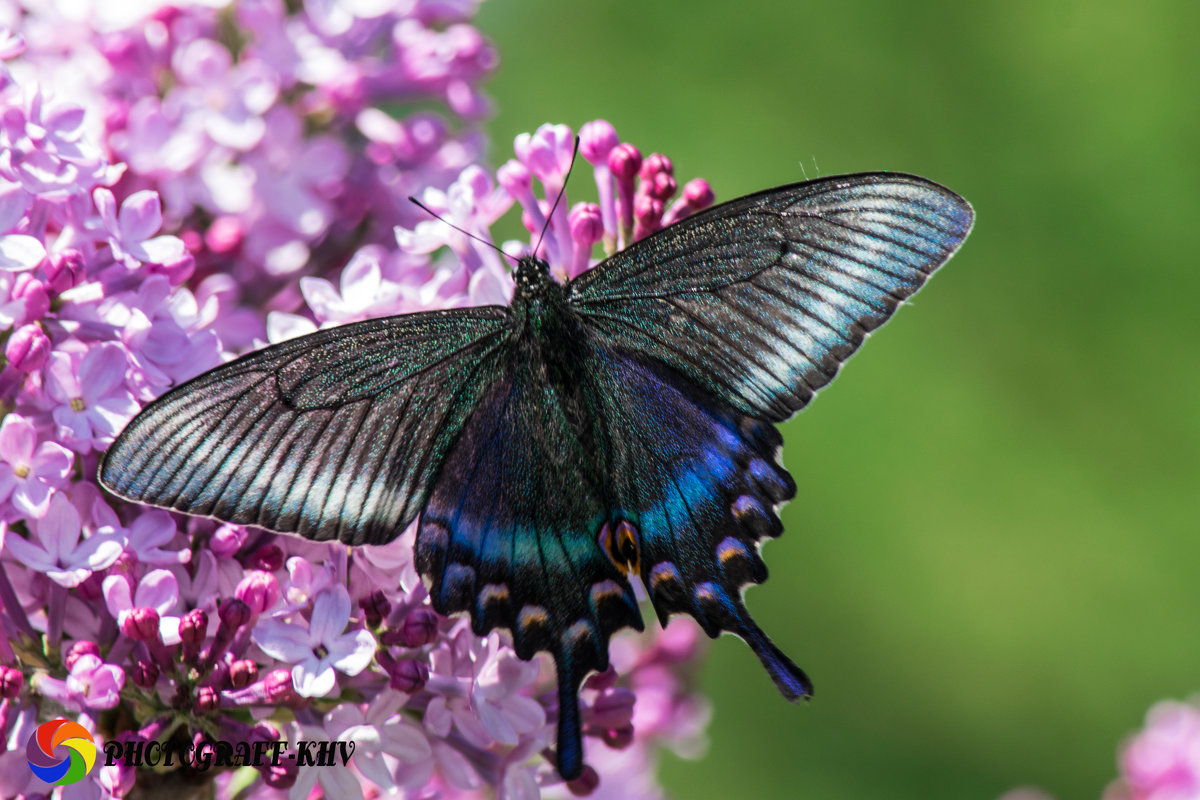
column 561, row 192
column 466, row 233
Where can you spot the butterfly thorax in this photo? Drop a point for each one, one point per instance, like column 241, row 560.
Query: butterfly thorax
column 539, row 306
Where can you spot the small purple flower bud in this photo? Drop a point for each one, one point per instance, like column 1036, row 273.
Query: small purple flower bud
column 375, row 607
column 28, row 348
column 408, row 675
column 207, row 700
column 585, row 784
column 141, row 624
column 259, row 590
column 419, row 627
column 596, row 140
column 278, row 687
column 625, row 161
column 33, row 292
column 79, row 649
column 145, row 674
column 225, row 235
column 65, row 269
column 11, row 681
column 242, row 672
column 655, row 164
column 234, row 613
column 515, row 178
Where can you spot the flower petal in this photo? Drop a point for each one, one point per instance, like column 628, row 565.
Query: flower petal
column 353, row 652
column 140, row 217
column 17, row 439
column 159, row 590
column 19, row 252
column 331, row 612
column 282, row 641
column 314, row 677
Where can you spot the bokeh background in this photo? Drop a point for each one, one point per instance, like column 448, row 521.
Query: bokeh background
column 992, row 568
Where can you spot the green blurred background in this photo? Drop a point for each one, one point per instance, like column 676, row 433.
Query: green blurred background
column 990, row 570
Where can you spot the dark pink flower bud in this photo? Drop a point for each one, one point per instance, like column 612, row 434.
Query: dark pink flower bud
column 408, row 675
column 654, row 164
column 242, row 672
column 619, row 738
column 269, row 557
column 141, row 624
column 585, row 784
column 375, row 607
column 419, row 627
column 613, row 708
column 259, row 590
column 28, row 348
column 64, row 269
column 193, row 241
column 11, row 681
column 227, row 540
column 207, row 700
column 278, row 687
column 661, row 186
column 145, row 674
column 596, row 140
column 33, row 292
column 601, row 680
column 280, row 776
column 625, row 161
column 79, row 649
column 698, row 194
column 225, row 235
column 193, row 627
column 234, row 612
column 647, row 212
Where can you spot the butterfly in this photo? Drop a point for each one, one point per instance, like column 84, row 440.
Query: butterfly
column 615, row 428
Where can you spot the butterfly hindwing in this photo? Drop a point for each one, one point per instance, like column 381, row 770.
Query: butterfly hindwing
column 509, row 534
column 761, row 299
column 332, row 435
column 699, row 483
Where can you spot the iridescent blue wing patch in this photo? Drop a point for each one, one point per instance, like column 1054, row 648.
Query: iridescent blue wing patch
column 334, row 435
column 761, row 299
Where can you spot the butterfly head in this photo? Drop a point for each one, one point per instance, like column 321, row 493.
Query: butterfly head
column 532, row 276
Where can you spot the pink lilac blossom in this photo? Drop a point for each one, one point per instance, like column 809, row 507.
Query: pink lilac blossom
column 174, row 192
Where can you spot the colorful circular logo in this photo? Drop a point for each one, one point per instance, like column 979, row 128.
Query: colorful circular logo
column 42, row 750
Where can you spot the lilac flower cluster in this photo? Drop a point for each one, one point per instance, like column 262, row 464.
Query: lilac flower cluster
column 1159, row 762
column 179, row 183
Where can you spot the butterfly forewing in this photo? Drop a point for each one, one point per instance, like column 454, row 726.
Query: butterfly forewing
column 761, row 299
column 333, row 435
